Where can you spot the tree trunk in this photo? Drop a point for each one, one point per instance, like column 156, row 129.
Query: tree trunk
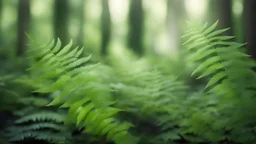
column 136, row 18
column 61, row 13
column 250, row 23
column 105, row 26
column 80, row 38
column 212, row 12
column 1, row 8
column 23, row 25
column 174, row 13
column 224, row 14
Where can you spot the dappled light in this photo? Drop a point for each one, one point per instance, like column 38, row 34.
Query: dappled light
column 196, row 8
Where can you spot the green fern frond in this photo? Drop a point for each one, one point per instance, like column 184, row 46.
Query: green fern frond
column 220, row 59
column 42, row 135
column 154, row 96
column 36, row 126
column 158, row 89
column 80, row 87
column 42, row 116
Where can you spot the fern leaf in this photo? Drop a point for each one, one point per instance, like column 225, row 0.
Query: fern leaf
column 57, row 46
column 81, row 89
column 78, row 62
column 225, row 62
column 42, row 116
column 206, row 64
column 65, row 57
column 211, row 28
column 217, row 32
column 36, row 126
column 79, row 52
column 84, row 111
column 215, row 79
column 211, row 70
column 56, row 86
column 65, row 49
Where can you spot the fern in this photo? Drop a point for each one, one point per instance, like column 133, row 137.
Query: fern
column 8, row 99
column 231, row 82
column 43, row 135
column 41, row 116
column 39, row 125
column 35, row 122
column 113, row 102
column 81, row 88
column 152, row 98
column 221, row 59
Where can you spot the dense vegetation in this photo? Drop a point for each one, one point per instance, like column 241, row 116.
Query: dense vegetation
column 207, row 96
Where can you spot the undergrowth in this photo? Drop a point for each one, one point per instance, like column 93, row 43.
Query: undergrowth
column 207, row 97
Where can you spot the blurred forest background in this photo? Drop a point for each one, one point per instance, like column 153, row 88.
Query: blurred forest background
column 113, row 30
column 151, row 27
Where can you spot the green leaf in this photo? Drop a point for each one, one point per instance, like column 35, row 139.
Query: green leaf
column 79, row 52
column 200, row 55
column 221, row 38
column 65, row 49
column 215, row 79
column 215, row 33
column 69, row 55
column 122, row 127
column 91, row 117
column 84, row 111
column 105, row 125
column 55, row 86
column 192, row 39
column 198, row 44
column 211, row 28
column 78, row 62
column 212, row 69
column 57, row 46
column 206, row 64
column 109, row 127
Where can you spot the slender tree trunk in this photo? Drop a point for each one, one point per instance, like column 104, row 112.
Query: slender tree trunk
column 212, row 12
column 61, row 13
column 1, row 8
column 238, row 25
column 136, row 18
column 105, row 26
column 250, row 26
column 224, row 14
column 174, row 13
column 80, row 38
column 23, row 25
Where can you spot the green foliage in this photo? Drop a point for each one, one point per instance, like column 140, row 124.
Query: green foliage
column 7, row 99
column 221, row 60
column 141, row 101
column 34, row 122
column 231, row 82
column 39, row 125
column 80, row 88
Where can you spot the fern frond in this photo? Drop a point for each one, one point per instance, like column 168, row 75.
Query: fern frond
column 81, row 88
column 36, row 126
column 46, row 136
column 154, row 96
column 42, row 116
column 221, row 59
